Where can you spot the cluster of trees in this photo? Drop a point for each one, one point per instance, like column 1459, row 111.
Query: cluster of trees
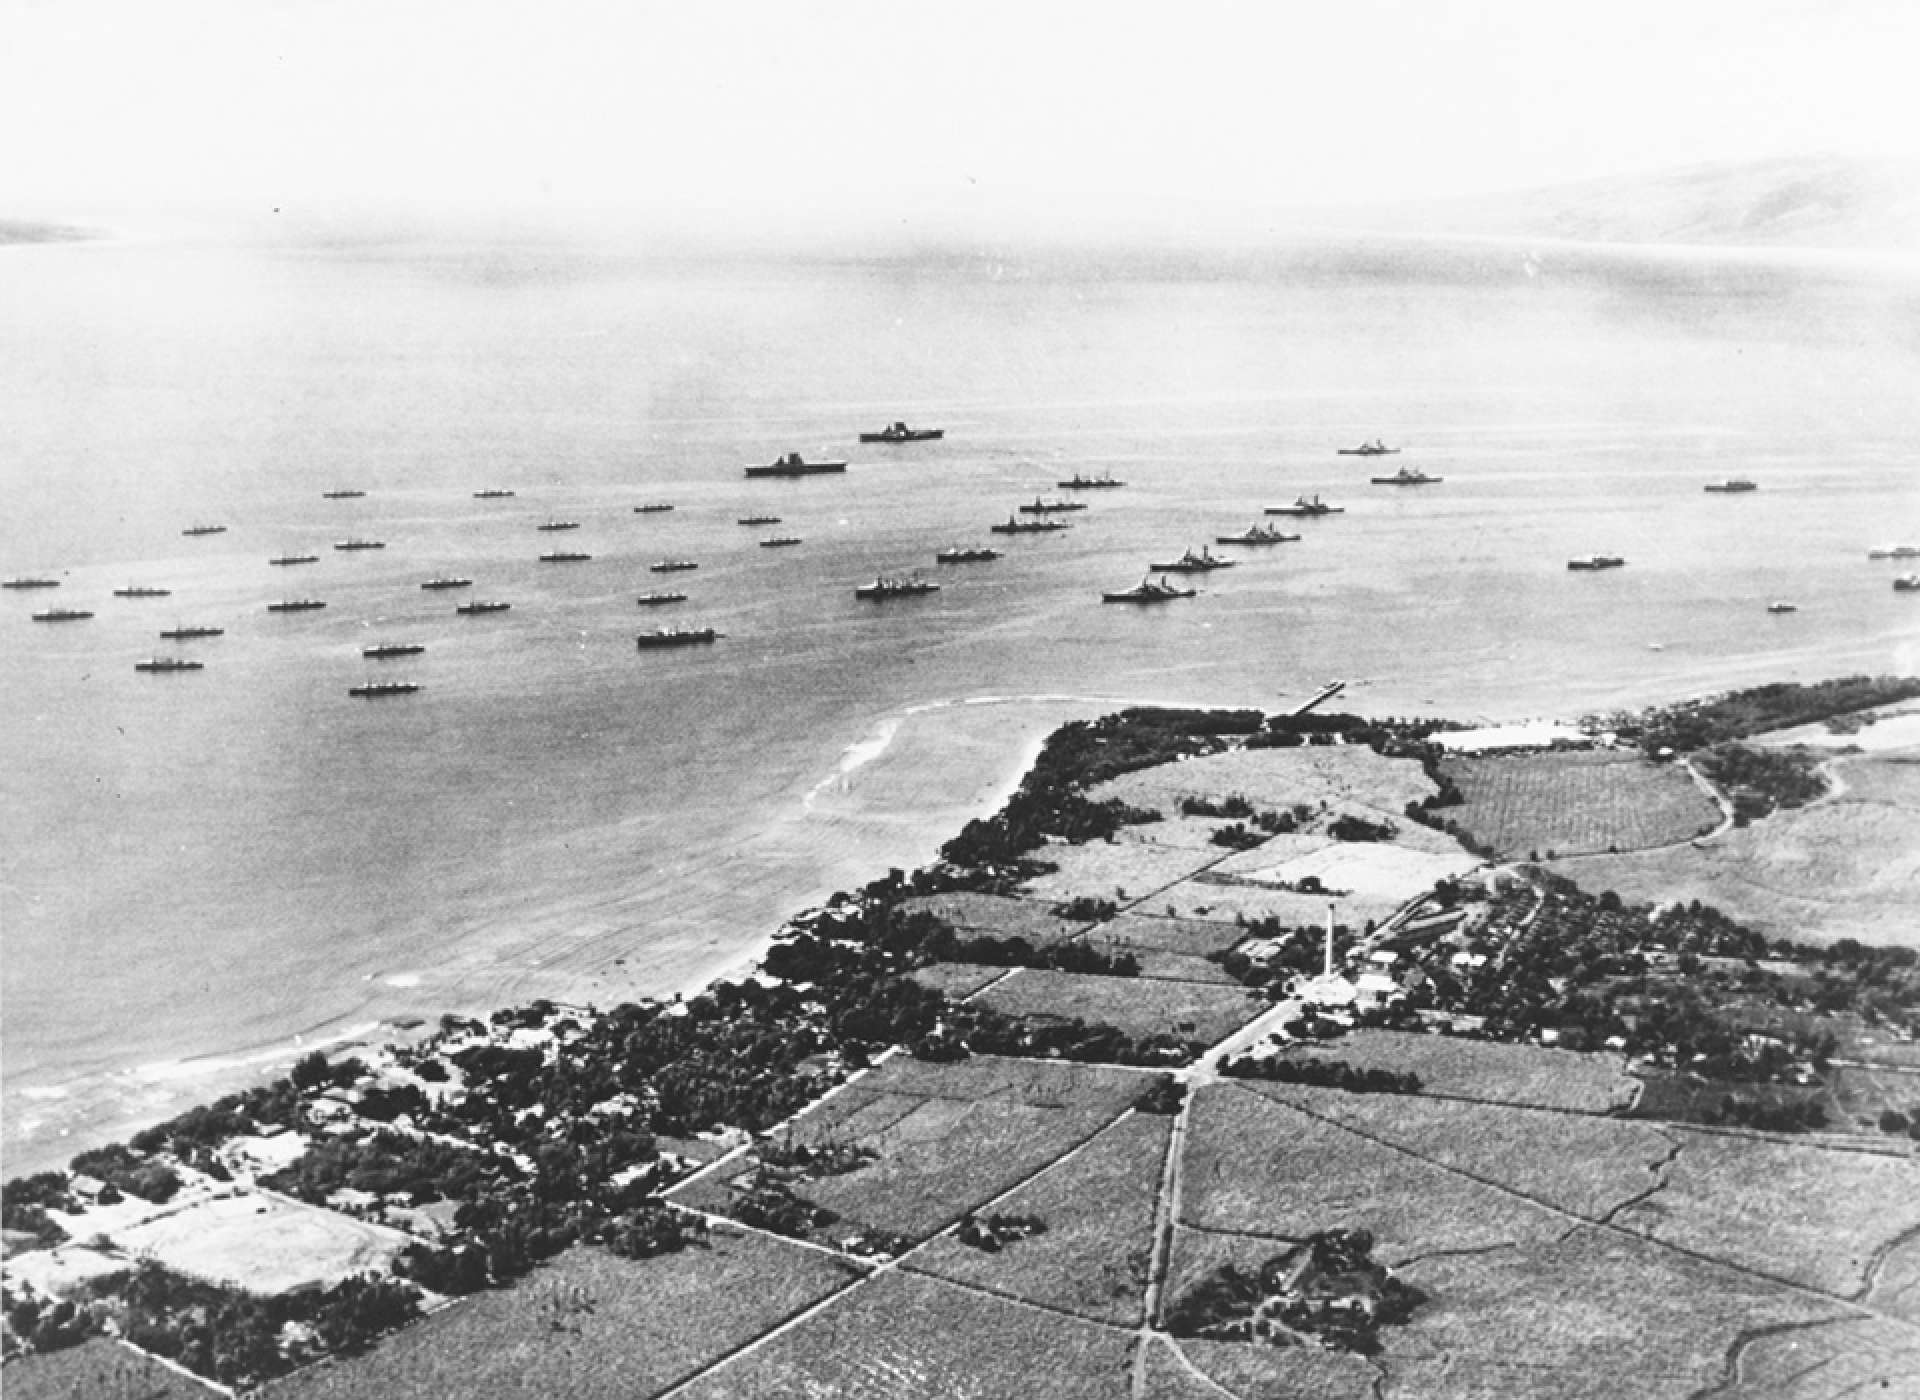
column 1702, row 723
column 1292, row 1294
column 992, row 1233
column 27, row 1199
column 1762, row 781
column 131, row 1172
column 1163, row 1096
column 1086, row 909
column 1791, row 1116
column 1325, row 1074
column 1353, row 827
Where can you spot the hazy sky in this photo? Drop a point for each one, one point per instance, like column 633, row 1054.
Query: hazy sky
column 866, row 110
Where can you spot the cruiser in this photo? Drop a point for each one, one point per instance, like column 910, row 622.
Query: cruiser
column 900, row 432
column 564, row 556
column 285, row 559
column 205, row 530
column 343, row 494
column 651, row 508
column 30, row 583
column 1732, row 484
column 1148, row 590
column 675, row 637
column 1406, row 476
column 558, row 525
column 672, row 566
column 354, row 544
column 136, row 590
column 493, row 493
column 794, row 465
column 386, row 651
column 295, row 605
column 1257, row 534
column 1308, row 506
column 1077, row 482
column 1376, row 448
column 435, row 585
column 654, row 600
column 1191, row 563
column 62, row 615
column 885, row 587
column 169, row 663
column 758, row 520
column 779, row 541
column 1040, row 507
column 187, row 634
column 964, row 555
column 477, row 607
column 376, row 690
column 1597, row 561
column 1016, row 526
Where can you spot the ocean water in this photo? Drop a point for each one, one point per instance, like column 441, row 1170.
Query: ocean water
column 201, row 873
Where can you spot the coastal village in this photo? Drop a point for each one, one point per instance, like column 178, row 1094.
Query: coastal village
column 1238, row 1055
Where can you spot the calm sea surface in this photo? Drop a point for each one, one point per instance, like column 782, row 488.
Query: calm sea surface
column 200, row 872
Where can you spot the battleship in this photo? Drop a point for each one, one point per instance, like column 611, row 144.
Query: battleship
column 779, row 541
column 194, row 530
column 654, row 600
column 885, row 587
column 1148, row 590
column 1307, row 506
column 900, row 432
column 30, row 583
column 672, row 566
column 345, row 493
column 675, row 637
column 1407, row 476
column 758, row 520
column 1077, row 482
column 1257, row 534
column 135, row 590
column 168, row 663
column 564, row 556
column 441, row 583
column 966, row 555
column 1040, row 507
column 792, row 464
column 493, row 493
column 651, row 508
column 350, row 546
column 62, row 615
column 295, row 605
column 1191, row 563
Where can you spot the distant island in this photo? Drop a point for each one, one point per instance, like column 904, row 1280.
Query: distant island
column 22, row 231
column 1237, row 1053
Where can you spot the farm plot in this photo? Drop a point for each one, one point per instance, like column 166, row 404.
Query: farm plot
column 97, row 1369
column 1371, row 878
column 1003, row 916
column 1827, row 1212
column 1136, row 1005
column 1170, row 1375
column 1174, row 949
column 1281, row 1373
column 948, row 1137
column 1896, row 1280
column 1255, row 1166
column 590, row 1325
column 956, row 981
column 1576, row 803
column 1579, row 1163
column 263, row 1245
column 1489, row 1071
column 1834, row 1361
column 909, row 1337
column 1592, row 1315
column 1116, row 870
column 1098, row 1208
column 1277, row 779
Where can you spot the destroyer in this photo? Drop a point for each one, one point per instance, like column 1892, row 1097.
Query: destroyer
column 493, row 493
column 343, row 494
column 295, row 605
column 285, row 559
column 1077, row 482
column 564, row 556
column 654, row 600
column 1013, row 525
column 758, row 520
column 30, row 583
column 1257, row 534
column 558, row 525
column 474, row 609
column 779, row 541
column 136, row 590
column 672, row 566
column 357, row 544
column 192, row 530
column 1148, row 590
column 62, row 615
column 435, row 585
column 794, row 465
column 1040, row 507
column 675, row 637
column 1732, row 485
column 651, row 508
column 900, row 432
column 1307, row 506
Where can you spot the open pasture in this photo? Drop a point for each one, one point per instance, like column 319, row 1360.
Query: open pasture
column 1282, row 1373
column 1374, row 877
column 590, row 1325
column 1833, row 1361
column 956, row 981
column 908, row 1337
column 97, row 1369
column 1003, row 916
column 1098, row 1206
column 1257, row 1166
column 1136, row 1005
column 1573, row 803
column 1277, row 779
column 261, row 1244
column 1827, row 1212
column 1120, row 870
column 1491, row 1071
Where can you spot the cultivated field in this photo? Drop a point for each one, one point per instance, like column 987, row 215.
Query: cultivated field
column 908, row 1337
column 1098, row 1206
column 957, row 981
column 1170, row 1375
column 1592, row 1315
column 1489, row 1070
column 1259, row 1167
column 1119, row 870
column 1574, row 803
column 1579, row 1163
column 1004, row 916
column 1169, row 948
column 590, row 1325
column 97, row 1369
column 949, row 1137
column 1137, row 1005
column 1277, row 779
column 1836, row 1361
column 1282, row 1373
column 263, row 1245
column 1826, row 1211
column 1375, row 877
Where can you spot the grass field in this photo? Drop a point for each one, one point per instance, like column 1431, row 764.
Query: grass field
column 1276, row 779
column 1837, row 1361
column 949, row 1137
column 590, row 1325
column 1574, row 803
column 1137, row 1005
column 263, row 1245
column 1825, row 1212
column 1259, row 1167
column 1375, row 878
column 97, row 1369
column 1282, row 1373
column 1896, row 1281
column 1098, row 1206
column 1491, row 1070
column 957, row 981
column 1170, row 1376
column 1173, row 949
column 1578, row 1163
column 1003, row 916
column 1592, row 1315
column 1117, row 870
column 908, row 1337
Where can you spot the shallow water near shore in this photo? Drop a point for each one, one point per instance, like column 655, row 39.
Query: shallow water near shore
column 203, row 872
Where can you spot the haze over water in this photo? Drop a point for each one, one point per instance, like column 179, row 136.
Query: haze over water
column 200, row 868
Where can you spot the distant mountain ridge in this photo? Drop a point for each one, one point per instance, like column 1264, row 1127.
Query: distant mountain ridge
column 1801, row 201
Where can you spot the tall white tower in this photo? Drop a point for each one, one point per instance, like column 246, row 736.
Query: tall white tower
column 1326, row 969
